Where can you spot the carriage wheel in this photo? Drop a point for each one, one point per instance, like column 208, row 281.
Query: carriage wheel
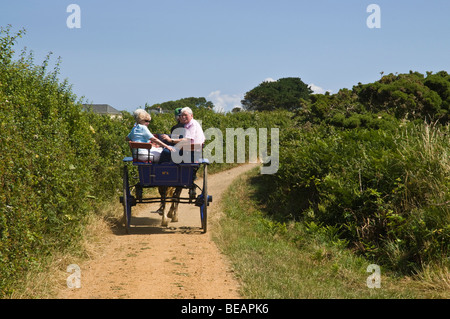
column 204, row 206
column 126, row 200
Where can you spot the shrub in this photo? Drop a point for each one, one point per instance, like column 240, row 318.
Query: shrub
column 56, row 162
column 387, row 191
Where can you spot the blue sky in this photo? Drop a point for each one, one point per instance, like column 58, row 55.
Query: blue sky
column 128, row 53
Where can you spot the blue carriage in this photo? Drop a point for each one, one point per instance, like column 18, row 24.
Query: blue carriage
column 169, row 174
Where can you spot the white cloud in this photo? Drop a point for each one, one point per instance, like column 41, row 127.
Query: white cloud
column 317, row 89
column 225, row 102
column 269, row 80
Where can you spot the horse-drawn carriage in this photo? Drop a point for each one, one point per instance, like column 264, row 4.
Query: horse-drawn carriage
column 163, row 175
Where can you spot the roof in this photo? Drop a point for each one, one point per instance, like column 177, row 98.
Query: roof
column 101, row 109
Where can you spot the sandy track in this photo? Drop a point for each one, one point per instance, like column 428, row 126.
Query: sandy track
column 155, row 262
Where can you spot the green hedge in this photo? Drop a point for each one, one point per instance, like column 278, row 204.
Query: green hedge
column 385, row 192
column 56, row 162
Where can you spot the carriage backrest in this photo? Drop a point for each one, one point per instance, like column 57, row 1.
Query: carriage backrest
column 135, row 146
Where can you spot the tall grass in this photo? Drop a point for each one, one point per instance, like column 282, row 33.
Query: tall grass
column 296, row 260
column 424, row 230
column 387, row 191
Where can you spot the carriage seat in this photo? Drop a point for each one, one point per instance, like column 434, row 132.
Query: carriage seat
column 147, row 158
column 141, row 157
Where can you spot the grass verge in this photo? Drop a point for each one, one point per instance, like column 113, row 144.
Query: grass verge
column 45, row 279
column 276, row 260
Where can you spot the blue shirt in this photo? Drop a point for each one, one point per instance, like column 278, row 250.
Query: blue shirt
column 140, row 133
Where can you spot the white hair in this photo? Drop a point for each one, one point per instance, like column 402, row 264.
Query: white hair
column 135, row 113
column 187, row 110
column 140, row 114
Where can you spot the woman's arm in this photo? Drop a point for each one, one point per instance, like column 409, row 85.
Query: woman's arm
column 157, row 141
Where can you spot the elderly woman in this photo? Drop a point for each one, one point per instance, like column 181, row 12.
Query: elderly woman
column 141, row 133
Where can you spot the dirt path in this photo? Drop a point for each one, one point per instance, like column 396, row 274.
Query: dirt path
column 154, row 262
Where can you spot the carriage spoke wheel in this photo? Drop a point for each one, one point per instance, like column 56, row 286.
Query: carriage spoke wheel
column 126, row 200
column 204, row 206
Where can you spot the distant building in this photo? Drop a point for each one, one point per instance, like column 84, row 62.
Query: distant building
column 159, row 110
column 103, row 109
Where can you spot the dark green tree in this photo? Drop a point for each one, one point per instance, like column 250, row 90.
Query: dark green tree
column 192, row 102
column 406, row 96
column 286, row 93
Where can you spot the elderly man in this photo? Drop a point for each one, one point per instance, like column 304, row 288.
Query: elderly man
column 193, row 133
column 193, row 130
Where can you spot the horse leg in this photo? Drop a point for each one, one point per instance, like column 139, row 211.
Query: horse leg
column 162, row 192
column 174, row 207
column 165, row 220
column 169, row 194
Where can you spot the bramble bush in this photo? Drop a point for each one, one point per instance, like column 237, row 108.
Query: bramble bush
column 386, row 191
column 56, row 162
